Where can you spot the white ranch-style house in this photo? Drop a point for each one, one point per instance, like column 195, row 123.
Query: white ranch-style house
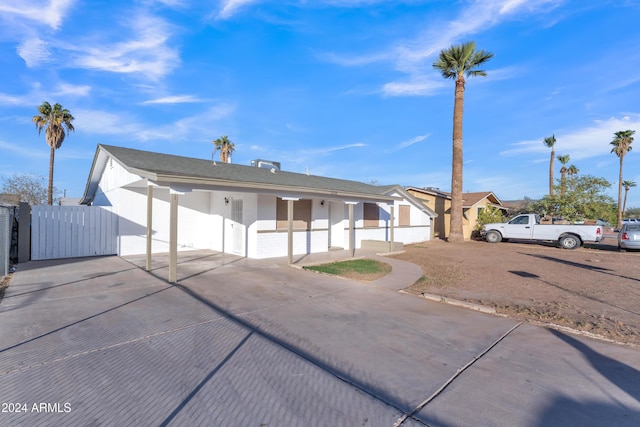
column 166, row 203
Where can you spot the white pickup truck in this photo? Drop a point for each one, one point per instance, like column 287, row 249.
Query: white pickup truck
column 528, row 227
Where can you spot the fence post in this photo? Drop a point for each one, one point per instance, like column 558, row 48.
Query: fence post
column 24, row 232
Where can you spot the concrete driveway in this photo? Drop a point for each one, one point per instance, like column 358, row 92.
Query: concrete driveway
column 237, row 342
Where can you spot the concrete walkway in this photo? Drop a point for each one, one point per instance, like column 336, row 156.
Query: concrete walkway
column 259, row 343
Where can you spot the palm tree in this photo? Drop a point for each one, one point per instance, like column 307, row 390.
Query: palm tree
column 621, row 146
column 550, row 142
column 563, row 173
column 454, row 63
column 572, row 170
column 627, row 185
column 225, row 146
column 57, row 120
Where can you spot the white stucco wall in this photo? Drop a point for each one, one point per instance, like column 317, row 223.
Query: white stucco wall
column 204, row 220
column 194, row 230
column 274, row 244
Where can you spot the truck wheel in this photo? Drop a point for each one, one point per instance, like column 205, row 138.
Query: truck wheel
column 569, row 242
column 493, row 236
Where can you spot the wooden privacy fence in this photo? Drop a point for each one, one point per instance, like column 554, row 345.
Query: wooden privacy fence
column 73, row 231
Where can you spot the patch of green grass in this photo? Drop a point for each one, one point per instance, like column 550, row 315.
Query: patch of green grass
column 361, row 269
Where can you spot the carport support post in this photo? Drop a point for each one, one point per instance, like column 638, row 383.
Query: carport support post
column 391, row 230
column 173, row 237
column 149, row 223
column 352, row 231
column 290, row 201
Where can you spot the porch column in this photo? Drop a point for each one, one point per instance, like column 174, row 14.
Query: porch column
column 352, row 231
column 174, row 192
column 290, row 201
column 173, row 237
column 392, row 222
column 149, row 223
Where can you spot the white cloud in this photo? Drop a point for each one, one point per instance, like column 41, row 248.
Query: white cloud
column 108, row 123
column 146, row 52
column 340, row 148
column 310, row 156
column 589, row 142
column 231, row 7
column 50, row 13
column 37, row 95
column 352, row 61
column 14, row 99
column 34, row 52
column 69, row 89
column 172, row 3
column 177, row 99
column 412, row 88
column 414, row 140
column 414, row 57
column 22, row 151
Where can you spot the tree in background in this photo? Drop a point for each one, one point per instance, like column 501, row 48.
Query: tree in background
column 633, row 212
column 572, row 170
column 26, row 188
column 621, row 146
column 454, row 63
column 488, row 215
column 627, row 185
column 225, row 146
column 585, row 198
column 57, row 121
column 550, row 142
column 563, row 173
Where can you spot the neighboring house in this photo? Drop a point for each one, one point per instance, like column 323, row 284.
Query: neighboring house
column 514, row 207
column 440, row 202
column 251, row 211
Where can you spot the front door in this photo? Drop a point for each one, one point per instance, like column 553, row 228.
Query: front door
column 237, row 227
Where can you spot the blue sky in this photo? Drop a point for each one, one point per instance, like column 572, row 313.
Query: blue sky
column 341, row 88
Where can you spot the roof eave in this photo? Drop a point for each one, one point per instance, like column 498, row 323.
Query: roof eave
column 202, row 183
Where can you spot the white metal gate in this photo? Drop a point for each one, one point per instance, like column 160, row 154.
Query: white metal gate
column 73, row 231
column 238, row 226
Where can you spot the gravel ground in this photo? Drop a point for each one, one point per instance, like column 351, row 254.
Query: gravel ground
column 594, row 289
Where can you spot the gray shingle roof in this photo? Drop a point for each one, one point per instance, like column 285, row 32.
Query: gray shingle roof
column 166, row 166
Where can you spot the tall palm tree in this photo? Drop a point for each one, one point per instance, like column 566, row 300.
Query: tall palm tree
column 57, row 121
column 627, row 185
column 621, row 146
column 551, row 142
column 225, row 146
column 454, row 63
column 563, row 173
column 572, row 170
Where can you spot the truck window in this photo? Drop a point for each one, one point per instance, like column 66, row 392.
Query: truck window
column 522, row 219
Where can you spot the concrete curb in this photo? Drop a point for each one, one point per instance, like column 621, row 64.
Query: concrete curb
column 451, row 301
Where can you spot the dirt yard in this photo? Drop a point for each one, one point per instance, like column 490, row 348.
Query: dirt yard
column 595, row 289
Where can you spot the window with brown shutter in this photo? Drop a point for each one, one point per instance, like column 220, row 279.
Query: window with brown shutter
column 404, row 215
column 371, row 215
column 301, row 214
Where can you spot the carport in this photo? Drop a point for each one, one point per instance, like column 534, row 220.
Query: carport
column 181, row 189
